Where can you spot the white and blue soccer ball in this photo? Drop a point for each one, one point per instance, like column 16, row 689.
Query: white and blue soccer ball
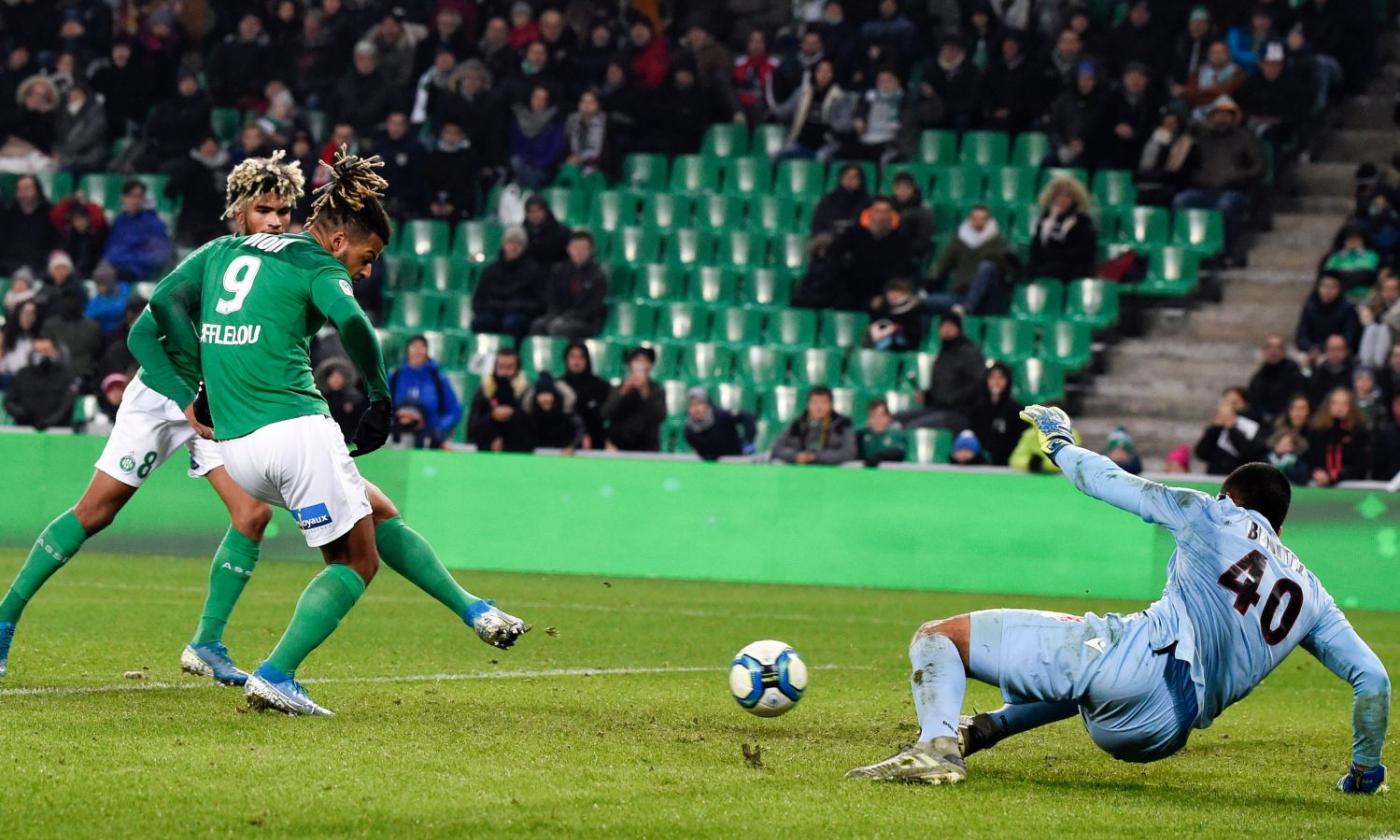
column 768, row 678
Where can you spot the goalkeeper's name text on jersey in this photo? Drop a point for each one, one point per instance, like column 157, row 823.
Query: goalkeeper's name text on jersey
column 229, row 334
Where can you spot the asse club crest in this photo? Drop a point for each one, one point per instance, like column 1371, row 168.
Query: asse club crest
column 127, row 463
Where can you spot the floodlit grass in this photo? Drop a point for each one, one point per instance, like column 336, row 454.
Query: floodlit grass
column 439, row 735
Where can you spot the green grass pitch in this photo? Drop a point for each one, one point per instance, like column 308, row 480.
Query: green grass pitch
column 438, row 735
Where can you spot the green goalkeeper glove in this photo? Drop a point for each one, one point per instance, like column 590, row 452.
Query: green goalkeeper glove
column 1052, row 424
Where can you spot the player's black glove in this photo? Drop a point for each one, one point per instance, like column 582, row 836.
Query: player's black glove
column 201, row 408
column 373, row 430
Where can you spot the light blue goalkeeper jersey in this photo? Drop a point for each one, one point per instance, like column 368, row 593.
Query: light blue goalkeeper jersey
column 1237, row 600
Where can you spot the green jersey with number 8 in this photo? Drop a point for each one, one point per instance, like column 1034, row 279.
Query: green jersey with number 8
column 254, row 303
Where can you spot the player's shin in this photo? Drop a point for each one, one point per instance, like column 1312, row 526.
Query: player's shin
column 233, row 565
column 405, row 551
column 326, row 600
column 58, row 542
column 939, row 682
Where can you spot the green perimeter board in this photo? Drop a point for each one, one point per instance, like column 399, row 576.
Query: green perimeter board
column 973, row 532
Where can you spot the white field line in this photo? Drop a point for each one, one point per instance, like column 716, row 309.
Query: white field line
column 203, row 683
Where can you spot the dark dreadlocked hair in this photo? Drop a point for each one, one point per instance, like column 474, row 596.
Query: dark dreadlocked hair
column 351, row 198
column 263, row 176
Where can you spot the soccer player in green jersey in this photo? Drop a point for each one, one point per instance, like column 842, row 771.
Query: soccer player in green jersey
column 150, row 426
column 241, row 311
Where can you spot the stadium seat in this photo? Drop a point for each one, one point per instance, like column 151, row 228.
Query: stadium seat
column 706, row 361
column 416, row 311
column 929, row 446
column 843, row 329
column 719, row 212
column 1092, row 301
column 799, row 178
column 1008, row 340
column 867, row 168
column 817, row 366
column 1200, row 231
column 919, row 368
column 1068, row 344
column 1030, row 149
column 789, row 251
column 715, row 285
column 634, row 246
column 783, row 404
column 772, row 214
column 423, row 237
column 630, row 321
column 1145, row 226
column 760, row 365
column 542, row 353
column 794, row 328
column 569, row 206
column 226, row 123
column 735, row 396
column 1011, row 187
column 668, row 360
column 737, row 326
column 659, row 282
column 724, row 141
column 845, row 401
column 1171, row 272
column 446, row 275
column 1114, row 188
column 985, row 149
column 478, row 242
column 606, row 356
column 644, row 172
column 768, row 140
column 103, row 190
column 613, row 209
column 319, row 124
column 938, row 147
column 694, row 174
column 741, row 249
column 688, row 247
column 766, row 287
column 683, row 322
column 665, row 212
column 922, row 173
column 898, row 401
column 1038, row 301
column 1038, row 381
column 873, row 370
column 458, row 314
column 747, row 176
column 400, row 274
column 956, row 185
column 674, row 391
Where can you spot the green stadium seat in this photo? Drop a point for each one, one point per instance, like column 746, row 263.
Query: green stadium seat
column 683, row 322
column 1092, row 301
column 789, row 251
column 659, row 282
column 630, row 322
column 735, row 396
column 1068, row 344
column 772, row 214
column 714, row 285
column 226, row 123
column 792, row 328
column 644, row 172
column 688, row 247
column 1011, row 187
column 919, row 368
column 706, row 361
column 1038, row 301
column 458, row 314
column 747, row 176
column 634, row 246
column 737, row 326
column 1145, row 226
column 846, row 401
column 446, row 275
column 929, row 446
column 1023, row 223
column 400, row 274
column 416, row 311
column 938, row 147
column 674, row 390
column 569, row 206
column 1038, row 381
column 155, row 191
column 694, row 174
column 783, row 404
column 1030, row 149
column 543, row 353
column 922, row 173
column 741, row 249
column 898, row 401
column 798, row 179
column 759, row 365
column 1008, row 340
column 1171, row 272
column 613, row 209
column 478, row 242
column 606, row 355
column 843, row 329
column 719, row 212
column 873, row 370
column 764, row 288
column 817, row 366
column 985, row 149
column 103, row 190
column 724, row 141
column 319, row 124
column 974, row 327
column 867, row 168
column 1114, row 189
column 668, row 360
column 587, row 183
column 1200, row 231
column 956, row 185
column 423, row 238
column 666, row 212
column 768, row 140
column 55, row 185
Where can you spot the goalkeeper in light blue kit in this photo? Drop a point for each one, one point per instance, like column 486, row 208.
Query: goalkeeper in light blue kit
column 1237, row 602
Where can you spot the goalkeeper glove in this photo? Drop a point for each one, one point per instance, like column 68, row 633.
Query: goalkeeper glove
column 1358, row 780
column 1052, row 424
column 373, row 430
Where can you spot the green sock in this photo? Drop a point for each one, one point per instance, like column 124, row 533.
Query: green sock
column 405, row 551
column 327, row 599
column 229, row 573
column 55, row 546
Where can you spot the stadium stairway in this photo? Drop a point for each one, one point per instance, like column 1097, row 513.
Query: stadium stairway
column 1163, row 384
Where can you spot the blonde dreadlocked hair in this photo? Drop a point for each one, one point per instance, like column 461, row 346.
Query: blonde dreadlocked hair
column 263, row 176
column 351, row 198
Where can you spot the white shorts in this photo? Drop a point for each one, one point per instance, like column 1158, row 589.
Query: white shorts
column 302, row 465
column 148, row 430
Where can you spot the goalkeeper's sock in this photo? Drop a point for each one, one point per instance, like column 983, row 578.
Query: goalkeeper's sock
column 1015, row 718
column 405, row 551
column 326, row 600
column 228, row 574
column 55, row 546
column 939, row 682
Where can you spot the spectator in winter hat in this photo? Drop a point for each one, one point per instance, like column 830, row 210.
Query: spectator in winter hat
column 967, row 449
column 1121, row 451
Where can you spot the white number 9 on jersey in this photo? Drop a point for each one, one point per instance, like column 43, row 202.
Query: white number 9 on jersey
column 238, row 279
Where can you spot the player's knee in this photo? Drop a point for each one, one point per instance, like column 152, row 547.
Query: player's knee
column 366, row 567
column 251, row 520
column 381, row 509
column 932, row 628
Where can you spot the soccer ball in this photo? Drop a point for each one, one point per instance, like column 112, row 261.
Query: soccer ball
column 768, row 678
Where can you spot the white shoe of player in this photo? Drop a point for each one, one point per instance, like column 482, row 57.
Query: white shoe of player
column 933, row 762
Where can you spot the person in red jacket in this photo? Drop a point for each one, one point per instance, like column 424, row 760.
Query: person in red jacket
column 752, row 74
column 1339, row 442
column 650, row 56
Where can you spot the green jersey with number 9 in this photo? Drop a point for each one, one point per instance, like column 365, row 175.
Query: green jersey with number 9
column 255, row 302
